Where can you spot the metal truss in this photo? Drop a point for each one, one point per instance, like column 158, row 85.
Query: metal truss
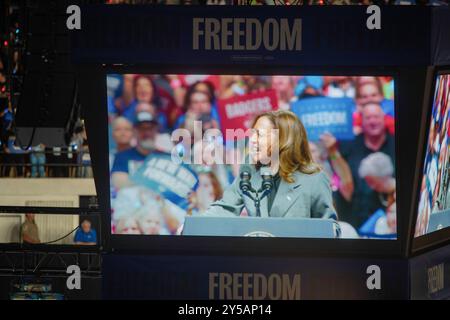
column 49, row 263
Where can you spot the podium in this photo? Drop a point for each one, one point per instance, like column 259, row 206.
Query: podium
column 261, row 227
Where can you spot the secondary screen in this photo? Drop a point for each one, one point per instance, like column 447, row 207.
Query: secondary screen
column 434, row 202
column 181, row 150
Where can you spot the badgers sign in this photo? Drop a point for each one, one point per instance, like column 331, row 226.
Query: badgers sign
column 246, row 34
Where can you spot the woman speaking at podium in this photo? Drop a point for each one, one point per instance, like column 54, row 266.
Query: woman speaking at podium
column 281, row 179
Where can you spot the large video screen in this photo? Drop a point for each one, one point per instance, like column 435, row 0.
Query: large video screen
column 249, row 155
column 433, row 211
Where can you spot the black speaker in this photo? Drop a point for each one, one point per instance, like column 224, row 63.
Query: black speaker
column 47, row 106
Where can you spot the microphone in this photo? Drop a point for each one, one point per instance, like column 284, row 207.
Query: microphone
column 245, row 184
column 267, row 179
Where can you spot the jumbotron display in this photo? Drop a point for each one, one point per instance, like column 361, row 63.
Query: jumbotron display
column 434, row 202
column 250, row 155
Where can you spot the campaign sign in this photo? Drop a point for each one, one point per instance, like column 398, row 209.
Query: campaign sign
column 238, row 112
column 319, row 115
column 171, row 180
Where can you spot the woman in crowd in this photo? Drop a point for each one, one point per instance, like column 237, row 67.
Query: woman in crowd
column 198, row 106
column 145, row 91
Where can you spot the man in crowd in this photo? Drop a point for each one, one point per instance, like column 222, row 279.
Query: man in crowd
column 372, row 92
column 30, row 230
column 122, row 133
column 374, row 138
column 377, row 170
column 86, row 235
column 284, row 87
column 128, row 161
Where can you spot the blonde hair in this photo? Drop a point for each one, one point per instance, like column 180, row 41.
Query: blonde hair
column 294, row 152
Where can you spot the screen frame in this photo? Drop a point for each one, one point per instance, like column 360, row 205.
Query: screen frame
column 188, row 245
column 436, row 239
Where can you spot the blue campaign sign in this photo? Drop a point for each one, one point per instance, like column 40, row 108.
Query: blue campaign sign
column 171, row 180
column 319, row 115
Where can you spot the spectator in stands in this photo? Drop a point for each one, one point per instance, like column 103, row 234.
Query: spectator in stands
column 37, row 158
column 163, row 140
column 151, row 215
column 122, row 133
column 128, row 161
column 78, row 152
column 377, row 170
column 231, row 85
column 370, row 90
column 150, row 222
column 149, row 107
column 199, row 107
column 145, row 91
column 85, row 235
column 127, row 225
column 284, row 87
column 30, row 230
column 374, row 138
column 122, row 102
column 121, row 137
column 339, row 87
column 206, row 87
column 255, row 84
column 15, row 156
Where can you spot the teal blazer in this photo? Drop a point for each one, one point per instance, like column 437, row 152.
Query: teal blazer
column 309, row 196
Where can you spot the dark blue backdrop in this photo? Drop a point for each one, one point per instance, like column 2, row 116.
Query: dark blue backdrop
column 331, row 35
column 187, row 277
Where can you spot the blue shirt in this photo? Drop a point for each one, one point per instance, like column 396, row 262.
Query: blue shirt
column 81, row 236
column 128, row 161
